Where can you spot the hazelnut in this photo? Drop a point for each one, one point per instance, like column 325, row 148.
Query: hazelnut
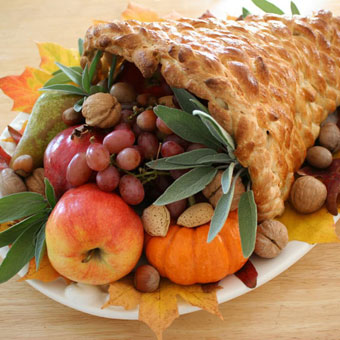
column 23, row 165
column 101, row 110
column 213, row 191
column 124, row 92
column 71, row 117
column 308, row 194
column 146, row 279
column 146, row 99
column 329, row 137
column 271, row 238
column 319, row 157
column 167, row 101
column 10, row 182
column 35, row 182
column 156, row 220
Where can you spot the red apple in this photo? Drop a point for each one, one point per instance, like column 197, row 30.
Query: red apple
column 93, row 236
column 61, row 150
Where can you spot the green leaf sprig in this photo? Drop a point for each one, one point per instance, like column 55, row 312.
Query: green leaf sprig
column 269, row 7
column 194, row 123
column 27, row 236
column 64, row 79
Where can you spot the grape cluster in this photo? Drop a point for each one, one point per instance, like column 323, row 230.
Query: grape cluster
column 119, row 161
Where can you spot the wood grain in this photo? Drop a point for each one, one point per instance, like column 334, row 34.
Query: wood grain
column 302, row 303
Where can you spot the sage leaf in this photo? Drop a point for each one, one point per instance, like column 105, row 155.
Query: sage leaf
column 183, row 97
column 190, row 157
column 40, row 246
column 66, row 88
column 215, row 129
column 161, row 164
column 112, row 72
column 22, row 204
column 267, row 6
column 21, row 252
column 217, row 158
column 247, row 219
column 80, row 46
column 96, row 88
column 94, row 64
column 199, row 105
column 85, row 80
column 245, row 12
column 221, row 213
column 187, row 126
column 79, row 105
column 9, row 235
column 294, row 8
column 187, row 185
column 75, row 68
column 72, row 74
column 227, row 178
column 61, row 78
column 50, row 193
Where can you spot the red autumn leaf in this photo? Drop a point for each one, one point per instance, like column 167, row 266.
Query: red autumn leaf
column 248, row 275
column 331, row 178
column 15, row 134
column 4, row 155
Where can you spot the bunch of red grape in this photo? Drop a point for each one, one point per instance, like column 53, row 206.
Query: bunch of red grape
column 119, row 161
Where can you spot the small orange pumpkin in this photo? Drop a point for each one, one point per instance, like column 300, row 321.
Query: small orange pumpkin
column 185, row 257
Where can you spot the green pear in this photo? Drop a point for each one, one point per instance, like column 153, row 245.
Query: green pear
column 44, row 123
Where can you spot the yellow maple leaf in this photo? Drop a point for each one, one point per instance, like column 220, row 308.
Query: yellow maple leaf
column 140, row 13
column 52, row 52
column 318, row 227
column 45, row 273
column 159, row 309
column 23, row 89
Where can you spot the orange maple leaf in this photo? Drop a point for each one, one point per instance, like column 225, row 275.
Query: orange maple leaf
column 159, row 309
column 45, row 273
column 23, row 89
column 140, row 13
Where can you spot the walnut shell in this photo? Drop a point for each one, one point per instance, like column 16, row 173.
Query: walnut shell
column 10, row 182
column 102, row 110
column 271, row 238
column 35, row 182
column 308, row 194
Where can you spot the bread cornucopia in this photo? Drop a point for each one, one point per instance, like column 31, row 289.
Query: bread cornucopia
column 174, row 139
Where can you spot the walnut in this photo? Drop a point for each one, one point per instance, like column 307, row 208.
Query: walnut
column 35, row 182
column 10, row 182
column 102, row 110
column 308, row 194
column 213, row 191
column 271, row 238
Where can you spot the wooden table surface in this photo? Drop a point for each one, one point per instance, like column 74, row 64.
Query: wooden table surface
column 302, row 303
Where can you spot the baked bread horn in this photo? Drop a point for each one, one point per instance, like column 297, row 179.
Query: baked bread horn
column 269, row 81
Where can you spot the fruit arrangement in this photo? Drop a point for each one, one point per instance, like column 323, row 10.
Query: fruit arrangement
column 116, row 175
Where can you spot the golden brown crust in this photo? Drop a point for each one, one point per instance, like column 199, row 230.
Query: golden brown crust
column 269, row 80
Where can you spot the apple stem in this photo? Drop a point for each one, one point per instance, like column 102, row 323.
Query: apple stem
column 89, row 255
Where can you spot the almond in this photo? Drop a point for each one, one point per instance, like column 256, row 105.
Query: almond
column 197, row 214
column 156, row 220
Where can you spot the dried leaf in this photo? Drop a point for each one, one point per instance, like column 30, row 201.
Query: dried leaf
column 50, row 53
column 248, row 275
column 122, row 293
column 312, row 228
column 159, row 309
column 140, row 13
column 15, row 134
column 23, row 89
column 45, row 273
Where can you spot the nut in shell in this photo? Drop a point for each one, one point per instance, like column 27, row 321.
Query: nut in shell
column 308, row 194
column 102, row 110
column 196, row 215
column 271, row 238
column 156, row 220
column 10, row 182
column 35, row 182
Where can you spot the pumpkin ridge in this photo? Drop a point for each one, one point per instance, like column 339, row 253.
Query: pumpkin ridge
column 223, row 240
column 166, row 252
